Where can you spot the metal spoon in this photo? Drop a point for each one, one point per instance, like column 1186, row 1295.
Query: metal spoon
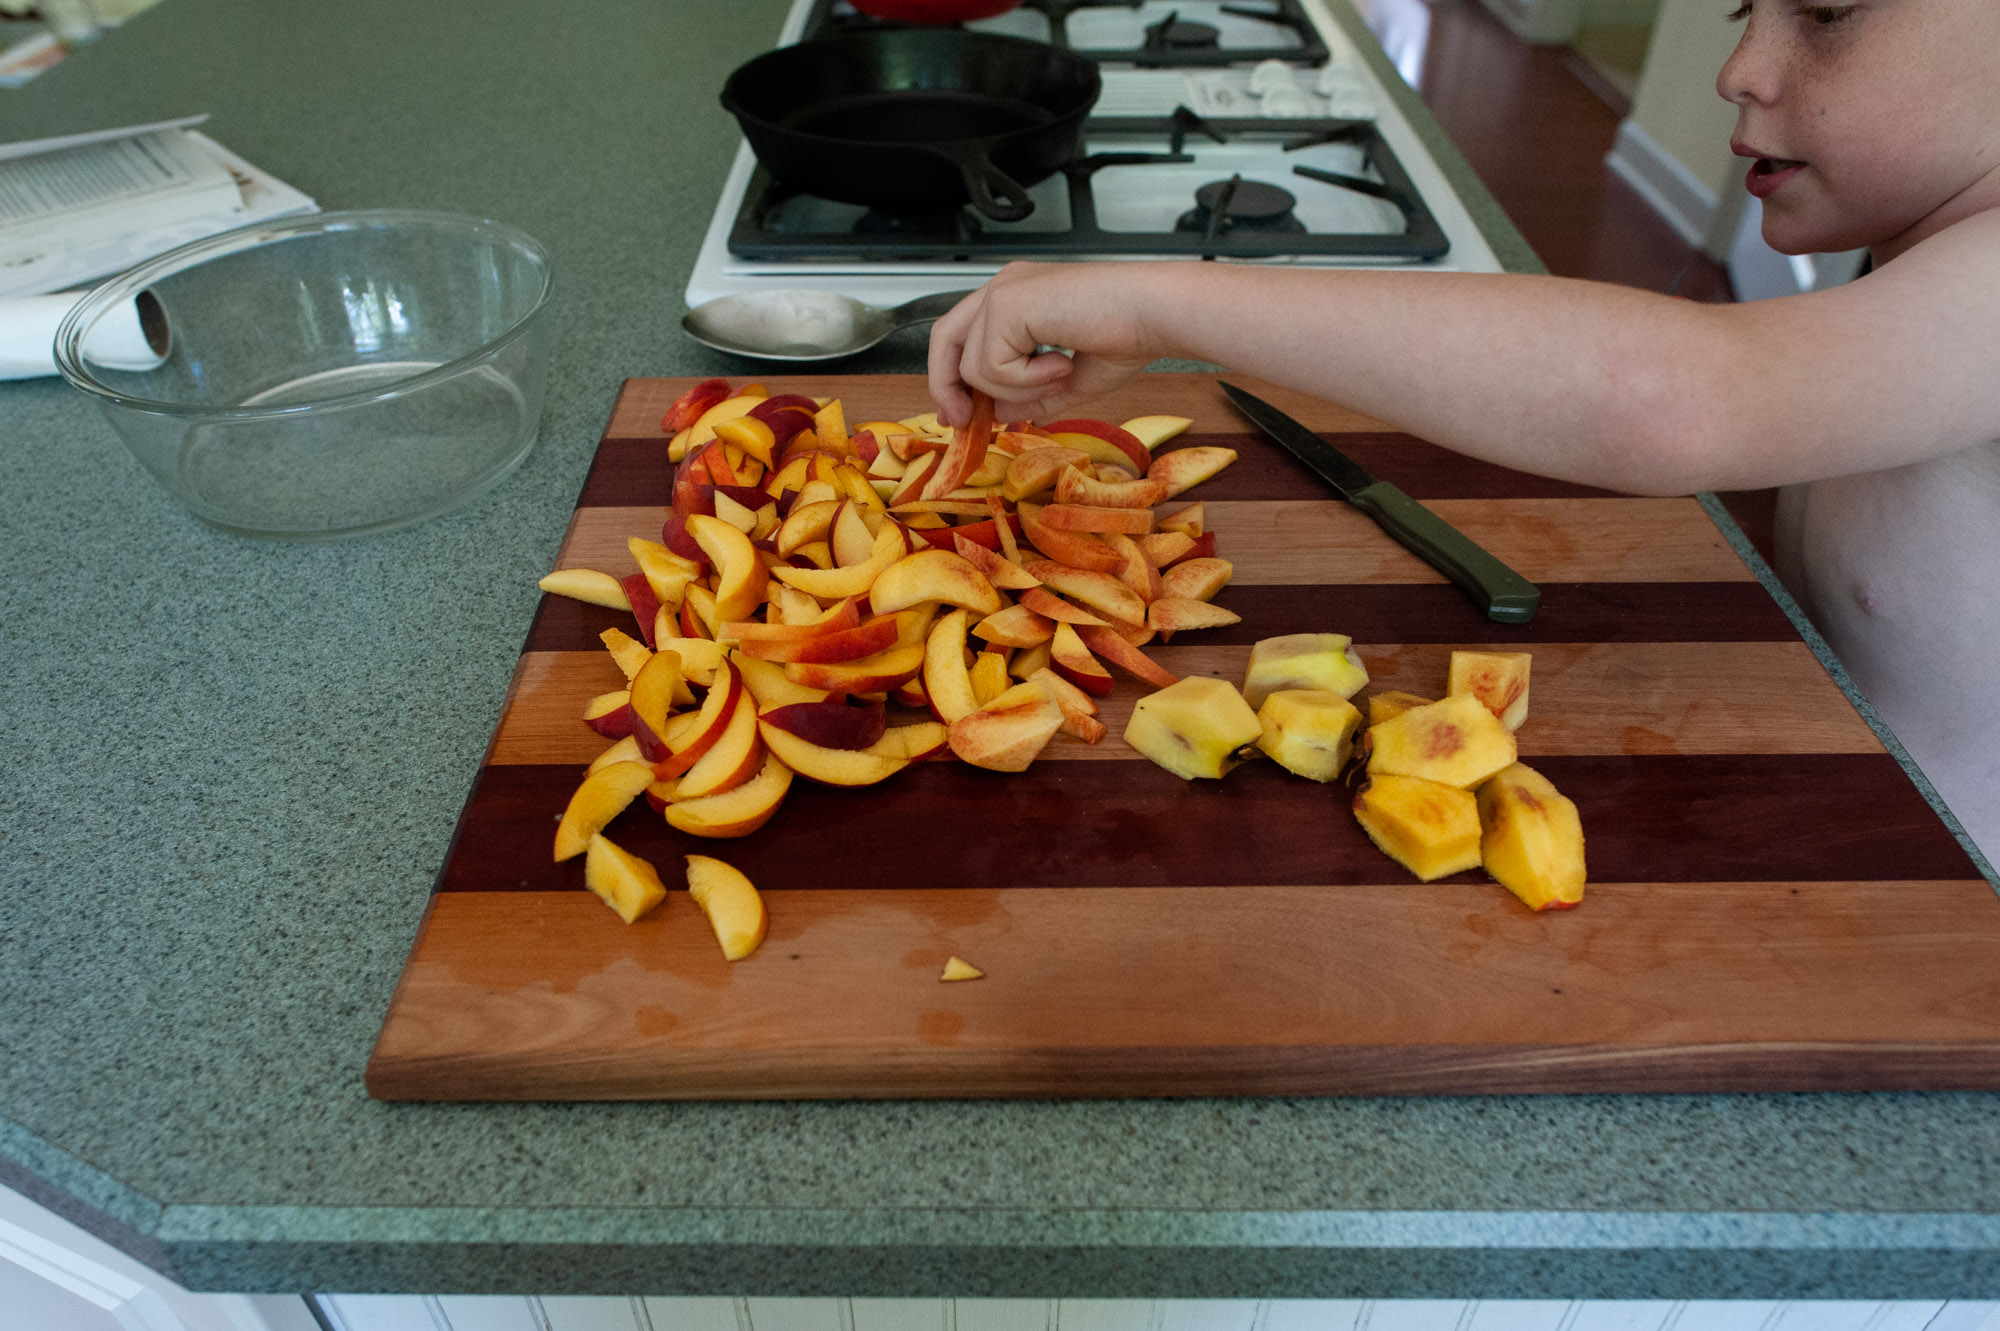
column 797, row 325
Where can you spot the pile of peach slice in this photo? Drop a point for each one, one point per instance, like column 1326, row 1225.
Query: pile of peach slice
column 837, row 603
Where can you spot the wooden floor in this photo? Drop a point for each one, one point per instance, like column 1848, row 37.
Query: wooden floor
column 1537, row 133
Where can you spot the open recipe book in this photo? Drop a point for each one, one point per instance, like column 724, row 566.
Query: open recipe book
column 84, row 206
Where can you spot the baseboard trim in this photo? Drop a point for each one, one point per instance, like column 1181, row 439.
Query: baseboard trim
column 1663, row 182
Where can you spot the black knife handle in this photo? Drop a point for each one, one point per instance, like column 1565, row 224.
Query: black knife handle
column 1502, row 593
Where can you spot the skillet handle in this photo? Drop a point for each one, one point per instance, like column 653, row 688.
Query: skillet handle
column 994, row 192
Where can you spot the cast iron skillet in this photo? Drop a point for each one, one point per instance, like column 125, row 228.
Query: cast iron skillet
column 915, row 118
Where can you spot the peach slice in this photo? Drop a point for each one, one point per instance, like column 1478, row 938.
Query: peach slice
column 1197, row 579
column 1039, row 468
column 1137, row 572
column 833, row 767
column 733, row 759
column 737, row 812
column 966, row 451
column 913, row 743
column 915, row 478
column 1455, row 742
column 689, row 406
column 1076, row 549
column 1190, row 521
column 933, row 575
column 947, row 683
column 688, row 746
column 1016, row 626
column 805, row 524
column 830, row 724
column 1120, row 439
column 732, row 905
column 913, row 625
column 739, row 516
column 1070, row 659
column 698, row 618
column 1498, row 679
column 610, row 714
column 703, row 430
column 626, row 650
column 767, row 683
column 1073, row 487
column 741, row 576
column 1079, row 712
column 1185, row 468
column 870, row 674
column 1198, row 727
column 1027, row 660
column 1108, row 644
column 625, row 750
column 1309, row 731
column 957, row 968
column 754, row 436
column 588, row 585
column 666, row 572
column 1152, row 431
column 1531, row 838
column 652, row 698
column 1172, row 614
column 1162, row 548
column 626, row 883
column 1430, row 829
column 1002, row 572
column 850, row 537
column 1303, row 661
column 989, row 676
column 700, row 658
column 602, row 797
column 1078, row 518
column 1050, row 606
column 1010, row 732
column 832, row 584
column 843, row 614
column 1100, row 591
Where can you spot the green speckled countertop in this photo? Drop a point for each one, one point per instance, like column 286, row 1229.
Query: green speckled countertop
column 231, row 770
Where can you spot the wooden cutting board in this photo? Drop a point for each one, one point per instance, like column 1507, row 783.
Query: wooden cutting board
column 1772, row 905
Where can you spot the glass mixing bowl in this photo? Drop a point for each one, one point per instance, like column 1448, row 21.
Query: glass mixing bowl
column 329, row 375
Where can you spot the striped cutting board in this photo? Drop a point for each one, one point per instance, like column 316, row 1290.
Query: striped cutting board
column 1772, row 906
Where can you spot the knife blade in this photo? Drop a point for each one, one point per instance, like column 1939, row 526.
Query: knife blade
column 1496, row 589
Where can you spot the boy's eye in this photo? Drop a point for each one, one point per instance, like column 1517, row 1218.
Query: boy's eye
column 1827, row 15
column 1740, row 13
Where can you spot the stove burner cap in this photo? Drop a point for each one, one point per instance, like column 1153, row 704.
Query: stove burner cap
column 1251, row 201
column 1177, row 34
column 1252, row 205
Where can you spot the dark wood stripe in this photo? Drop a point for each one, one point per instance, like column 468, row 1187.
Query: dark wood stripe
column 1385, row 613
column 632, row 472
column 1740, row 818
column 1263, row 470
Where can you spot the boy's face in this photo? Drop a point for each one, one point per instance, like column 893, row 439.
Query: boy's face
column 1873, row 123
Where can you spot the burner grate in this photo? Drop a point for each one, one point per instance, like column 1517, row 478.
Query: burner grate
column 776, row 224
column 1184, row 36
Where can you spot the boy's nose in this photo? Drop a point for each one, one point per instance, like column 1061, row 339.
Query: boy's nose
column 1749, row 75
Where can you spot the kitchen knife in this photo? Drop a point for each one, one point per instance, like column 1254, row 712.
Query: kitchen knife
column 1502, row 593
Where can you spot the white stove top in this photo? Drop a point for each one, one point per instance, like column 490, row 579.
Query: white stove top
column 1148, row 198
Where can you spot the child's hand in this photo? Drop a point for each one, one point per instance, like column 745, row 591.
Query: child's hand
column 989, row 340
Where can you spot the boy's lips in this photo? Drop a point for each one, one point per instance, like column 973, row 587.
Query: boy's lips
column 1767, row 175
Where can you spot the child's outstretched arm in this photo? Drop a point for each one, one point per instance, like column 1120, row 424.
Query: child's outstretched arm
column 1590, row 382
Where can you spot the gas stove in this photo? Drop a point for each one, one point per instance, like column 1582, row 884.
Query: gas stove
column 1227, row 130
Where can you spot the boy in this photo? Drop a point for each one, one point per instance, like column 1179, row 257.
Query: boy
column 1876, row 405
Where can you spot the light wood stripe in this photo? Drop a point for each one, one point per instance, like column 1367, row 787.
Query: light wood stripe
column 528, row 994
column 1312, row 541
column 1623, row 698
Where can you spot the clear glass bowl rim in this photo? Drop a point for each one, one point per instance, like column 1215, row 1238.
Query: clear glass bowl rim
column 114, row 291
